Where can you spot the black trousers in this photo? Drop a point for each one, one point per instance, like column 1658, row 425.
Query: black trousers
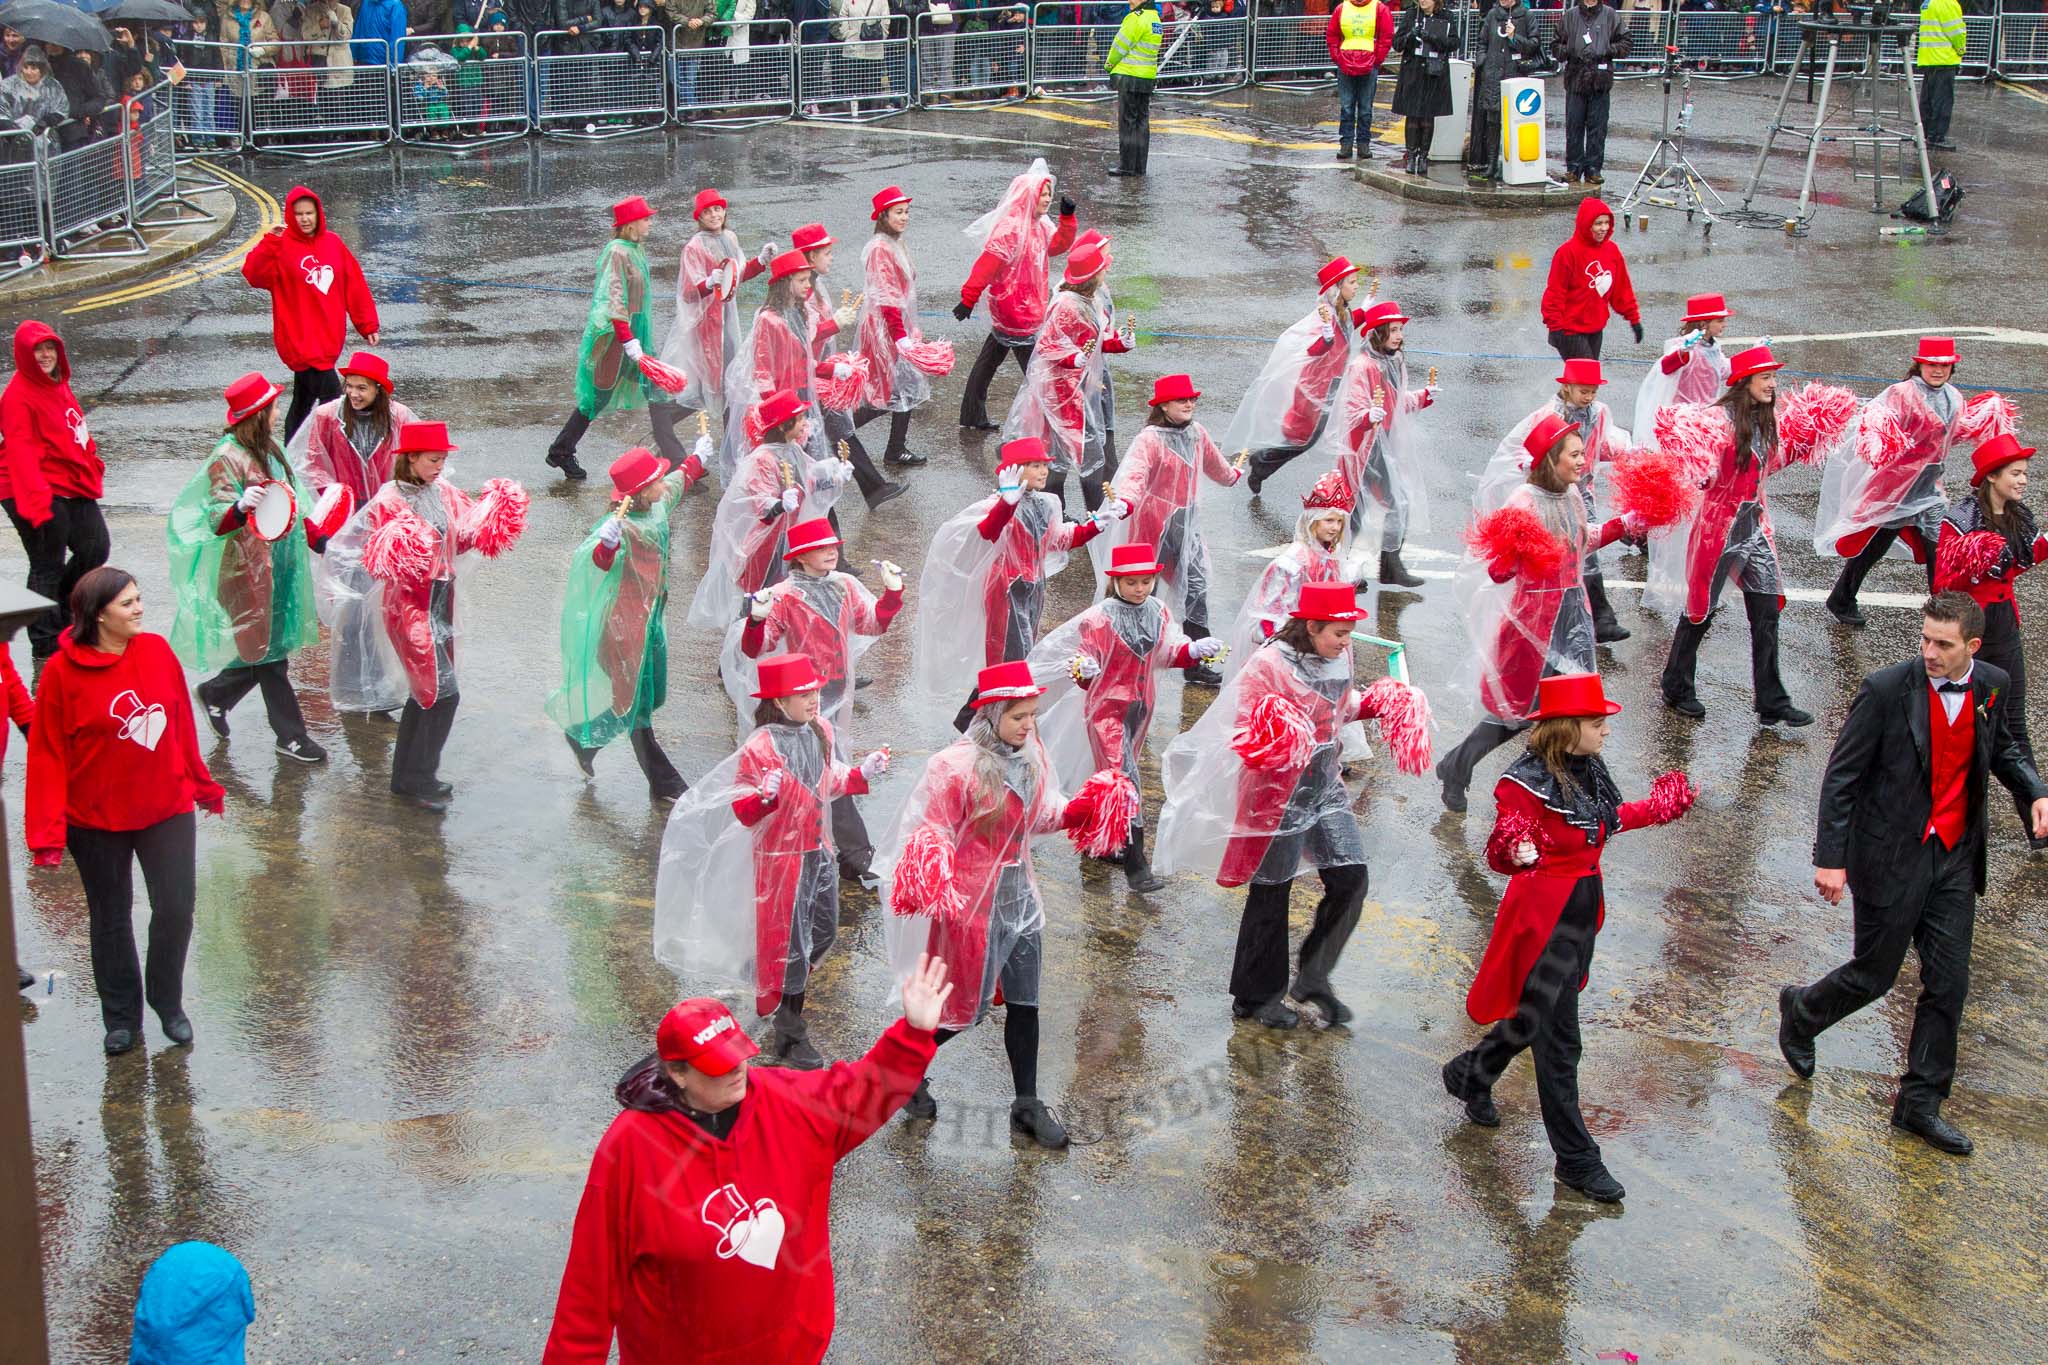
column 1091, row 488
column 422, row 733
column 61, row 551
column 1546, row 1021
column 1482, row 152
column 106, row 861
column 1937, row 100
column 1766, row 681
column 1577, row 345
column 1585, row 132
column 850, row 837
column 1258, row 973
column 1936, row 914
column 899, row 429
column 1489, row 734
column 974, row 401
column 280, row 703
column 660, row 416
column 1133, row 124
column 1855, row 569
column 839, row 431
column 2003, row 648
column 310, row 388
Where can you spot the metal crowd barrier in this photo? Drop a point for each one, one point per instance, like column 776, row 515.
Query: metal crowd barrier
column 741, row 80
column 159, row 192
column 1289, row 52
column 23, row 246
column 1980, row 48
column 1066, row 58
column 210, row 108
column 853, row 79
column 989, row 66
column 315, row 112
column 457, row 103
column 602, row 83
column 88, row 195
column 2022, row 46
column 1731, row 45
column 1213, row 56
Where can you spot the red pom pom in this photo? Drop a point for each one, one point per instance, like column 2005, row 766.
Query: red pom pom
column 500, row 516
column 1810, row 421
column 1671, row 796
column 931, row 357
column 1968, row 558
column 923, row 882
column 1275, row 736
column 1880, row 440
column 1403, row 713
column 841, row 395
column 1112, row 803
column 1655, row 485
column 404, row 549
column 1510, row 828
column 667, row 378
column 1696, row 434
column 1985, row 416
column 1516, row 538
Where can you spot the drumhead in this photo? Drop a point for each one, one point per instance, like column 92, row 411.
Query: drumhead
column 274, row 511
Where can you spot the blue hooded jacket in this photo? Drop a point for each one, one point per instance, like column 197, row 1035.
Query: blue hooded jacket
column 379, row 19
column 194, row 1308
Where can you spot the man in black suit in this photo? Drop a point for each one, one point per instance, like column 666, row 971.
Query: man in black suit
column 1902, row 826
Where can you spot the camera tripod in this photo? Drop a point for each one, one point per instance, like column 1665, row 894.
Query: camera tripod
column 1668, row 179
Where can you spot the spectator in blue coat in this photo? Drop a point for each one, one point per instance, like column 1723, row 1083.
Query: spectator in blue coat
column 194, row 1309
column 378, row 19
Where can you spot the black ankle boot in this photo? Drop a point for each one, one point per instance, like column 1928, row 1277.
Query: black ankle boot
column 1138, row 873
column 1395, row 574
column 1606, row 630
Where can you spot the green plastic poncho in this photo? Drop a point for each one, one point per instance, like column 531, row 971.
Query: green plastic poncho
column 605, row 378
column 614, row 635
column 241, row 599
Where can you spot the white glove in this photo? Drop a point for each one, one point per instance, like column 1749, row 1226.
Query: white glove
column 705, row 448
column 1329, row 333
column 771, row 786
column 841, row 472
column 1116, row 509
column 1634, row 523
column 1429, row 393
column 1209, row 648
column 1010, row 483
column 1693, row 338
column 1128, row 334
column 1525, row 854
column 713, row 285
column 874, row 765
column 904, row 344
column 792, row 498
column 1085, row 667
column 611, row 533
column 251, row 495
column 767, row 251
column 633, row 351
column 845, row 314
column 892, row 576
column 758, row 604
column 1375, row 415
column 841, row 371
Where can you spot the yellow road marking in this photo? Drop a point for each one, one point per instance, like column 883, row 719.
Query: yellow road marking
column 271, row 215
column 1193, row 126
column 2033, row 95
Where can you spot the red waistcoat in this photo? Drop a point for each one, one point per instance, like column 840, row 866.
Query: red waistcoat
column 1952, row 745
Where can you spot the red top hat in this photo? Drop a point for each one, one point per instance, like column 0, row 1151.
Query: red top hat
column 1583, row 370
column 1754, row 361
column 1548, row 430
column 1327, row 602
column 1573, row 694
column 786, row 675
column 810, row 237
column 424, row 438
column 1706, row 307
column 630, row 210
column 1332, row 492
column 1169, row 388
column 369, row 365
column 704, row 1034
column 635, row 470
column 888, row 198
column 250, row 394
column 806, row 536
column 1382, row 313
column 788, row 263
column 1327, row 277
column 777, row 408
column 1086, row 262
column 1128, row 561
column 1995, row 454
column 1024, row 450
column 1010, row 681
column 1092, row 237
column 1936, row 351
column 707, row 198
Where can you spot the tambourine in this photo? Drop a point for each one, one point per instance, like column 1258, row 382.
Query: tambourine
column 728, row 277
column 275, row 511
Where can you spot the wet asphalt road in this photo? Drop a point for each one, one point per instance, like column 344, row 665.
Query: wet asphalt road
column 408, row 1025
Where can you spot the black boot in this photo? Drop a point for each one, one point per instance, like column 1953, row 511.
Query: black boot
column 1343, row 151
column 1682, row 664
column 1454, row 769
column 1842, row 597
column 1138, row 873
column 790, row 1044
column 1773, row 703
column 1029, row 1116
column 1606, row 630
column 921, row 1105
column 584, row 757
column 1393, row 573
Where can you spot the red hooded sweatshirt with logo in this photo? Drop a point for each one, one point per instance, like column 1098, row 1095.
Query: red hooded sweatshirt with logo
column 114, row 745
column 316, row 288
column 1574, row 299
column 49, row 451
column 697, row 1251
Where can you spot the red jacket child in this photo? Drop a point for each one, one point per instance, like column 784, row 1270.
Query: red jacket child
column 21, row 707
column 1587, row 278
column 48, row 451
column 114, row 744
column 316, row 289
column 1357, row 60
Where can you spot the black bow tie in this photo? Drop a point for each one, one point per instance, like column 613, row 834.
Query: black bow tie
column 1952, row 687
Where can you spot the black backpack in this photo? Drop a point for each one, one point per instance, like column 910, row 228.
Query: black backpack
column 1947, row 194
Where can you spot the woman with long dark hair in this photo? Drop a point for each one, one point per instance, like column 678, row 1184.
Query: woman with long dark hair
column 113, row 774
column 349, row 440
column 777, row 357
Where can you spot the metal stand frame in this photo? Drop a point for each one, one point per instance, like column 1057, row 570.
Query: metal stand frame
column 1668, row 179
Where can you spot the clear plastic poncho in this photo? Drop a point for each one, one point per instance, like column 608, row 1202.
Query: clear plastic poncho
column 1865, row 486
column 1277, row 589
column 1059, row 401
column 606, row 379
column 322, row 451
column 979, row 601
column 776, row 355
column 1701, row 379
column 412, row 621
column 751, row 527
column 241, row 599
column 1103, row 725
column 615, row 630
column 1383, row 464
column 750, row 908
column 707, row 327
column 1016, row 233
column 1726, row 538
column 831, row 620
column 1164, row 476
column 1288, row 405
column 894, row 384
column 1235, row 822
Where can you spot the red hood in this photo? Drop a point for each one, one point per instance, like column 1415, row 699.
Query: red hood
column 299, row 192
column 27, row 337
column 1590, row 209
column 85, row 656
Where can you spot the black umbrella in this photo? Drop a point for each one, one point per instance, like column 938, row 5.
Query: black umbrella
column 43, row 21
column 147, row 12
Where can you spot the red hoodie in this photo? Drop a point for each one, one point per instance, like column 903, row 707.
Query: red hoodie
column 316, row 289
column 20, row 705
column 113, row 745
column 1356, row 61
column 704, row 1251
column 1572, row 301
column 48, row 451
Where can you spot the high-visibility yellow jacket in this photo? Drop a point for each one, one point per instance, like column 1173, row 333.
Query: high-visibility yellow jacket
column 1136, row 49
column 1942, row 35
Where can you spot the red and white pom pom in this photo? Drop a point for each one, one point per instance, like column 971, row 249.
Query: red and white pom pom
column 923, row 883
column 1985, row 416
column 337, row 504
column 1968, row 558
column 1880, row 440
column 1671, row 796
column 843, row 395
column 1516, row 538
column 1403, row 713
column 667, row 378
column 1655, row 485
column 1513, row 828
column 1112, row 805
column 1810, row 421
column 500, row 516
column 1695, row 433
column 1275, row 736
column 403, row 549
column 931, row 357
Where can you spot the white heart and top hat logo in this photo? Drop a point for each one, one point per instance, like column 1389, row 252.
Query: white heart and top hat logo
column 143, row 724
column 319, row 274
column 80, row 433
column 1597, row 276
column 754, row 1234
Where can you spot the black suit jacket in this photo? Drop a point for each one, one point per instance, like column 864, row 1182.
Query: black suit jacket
column 1877, row 795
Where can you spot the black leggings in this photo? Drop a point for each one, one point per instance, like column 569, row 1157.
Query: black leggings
column 1020, row 1041
column 1577, row 345
column 106, row 861
column 422, row 732
column 1258, row 973
column 974, row 401
column 72, row 543
column 899, row 428
column 310, row 388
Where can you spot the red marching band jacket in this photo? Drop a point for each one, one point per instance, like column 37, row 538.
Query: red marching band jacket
column 795, row 626
column 1020, row 554
column 1963, row 558
column 1262, row 793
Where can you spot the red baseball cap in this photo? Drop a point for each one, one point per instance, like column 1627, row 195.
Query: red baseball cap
column 888, row 198
column 704, row 1034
